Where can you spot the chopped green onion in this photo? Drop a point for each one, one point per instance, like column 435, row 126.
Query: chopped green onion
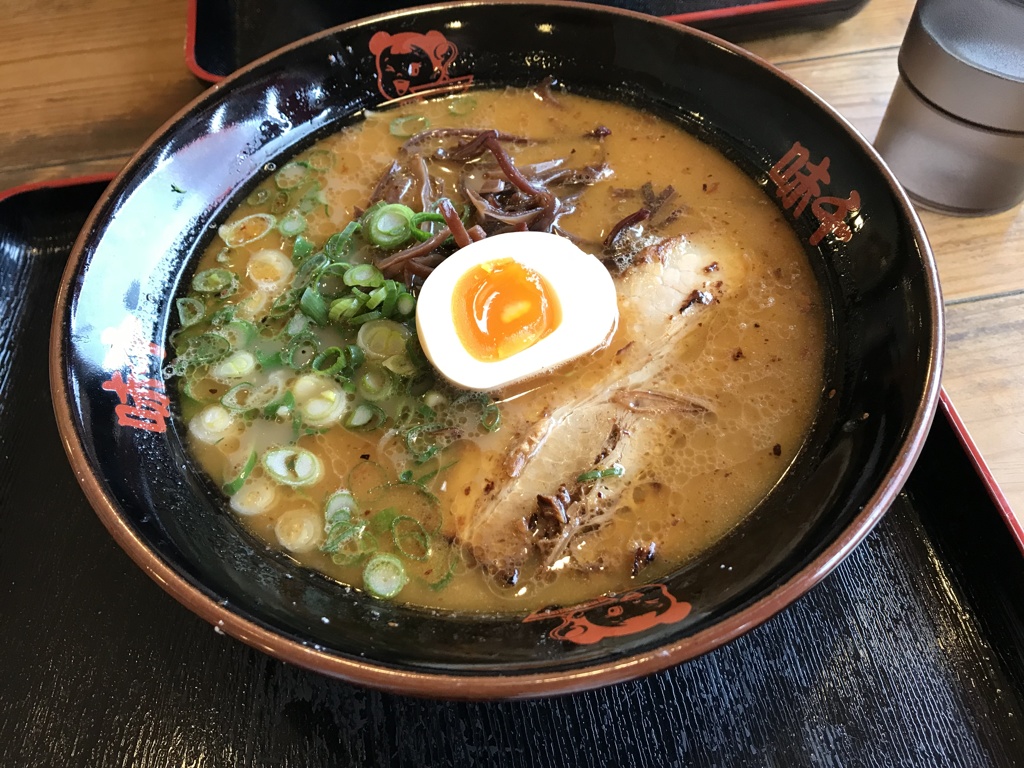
column 382, row 339
column 392, row 291
column 339, row 243
column 258, row 196
column 291, row 175
column 413, row 499
column 363, row 276
column 280, row 408
column 344, row 308
column 408, row 126
column 292, row 224
column 366, row 317
column 615, row 470
column 207, row 348
column 355, row 356
column 234, row 485
column 293, row 466
column 320, row 160
column 329, row 362
column 418, row 441
column 223, row 316
column 410, row 537
column 190, row 311
column 339, row 508
column 365, row 417
column 239, row 333
column 297, row 323
column 239, row 363
column 406, row 304
column 240, row 398
column 375, row 383
column 381, row 521
column 247, row 230
column 388, row 226
column 300, row 351
column 302, row 248
column 461, row 105
column 402, row 366
column 213, row 280
column 314, row 306
column 384, row 575
column 280, row 202
column 349, row 544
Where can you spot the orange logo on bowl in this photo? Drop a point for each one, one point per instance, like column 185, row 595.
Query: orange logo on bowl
column 409, row 62
column 798, row 181
column 614, row 615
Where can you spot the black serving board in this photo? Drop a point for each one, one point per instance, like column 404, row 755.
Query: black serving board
column 911, row 653
column 223, row 35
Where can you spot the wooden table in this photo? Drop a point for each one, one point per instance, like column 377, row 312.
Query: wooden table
column 83, row 84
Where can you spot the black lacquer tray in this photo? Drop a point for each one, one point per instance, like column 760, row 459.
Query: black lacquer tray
column 223, row 35
column 910, row 654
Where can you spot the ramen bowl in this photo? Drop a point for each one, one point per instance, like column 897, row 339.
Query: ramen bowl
column 126, row 439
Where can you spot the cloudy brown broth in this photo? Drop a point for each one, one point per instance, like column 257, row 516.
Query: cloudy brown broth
column 718, row 414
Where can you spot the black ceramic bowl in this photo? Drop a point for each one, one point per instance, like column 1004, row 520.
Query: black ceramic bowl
column 862, row 236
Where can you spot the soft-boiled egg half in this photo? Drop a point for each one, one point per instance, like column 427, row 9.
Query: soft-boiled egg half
column 512, row 306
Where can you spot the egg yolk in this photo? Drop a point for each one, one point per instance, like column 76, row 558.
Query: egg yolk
column 501, row 308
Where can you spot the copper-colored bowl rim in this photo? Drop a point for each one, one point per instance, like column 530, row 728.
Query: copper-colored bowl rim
column 517, row 685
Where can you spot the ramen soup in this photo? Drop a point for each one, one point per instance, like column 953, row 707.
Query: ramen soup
column 499, row 351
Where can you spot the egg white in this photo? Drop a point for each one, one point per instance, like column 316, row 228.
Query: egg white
column 583, row 287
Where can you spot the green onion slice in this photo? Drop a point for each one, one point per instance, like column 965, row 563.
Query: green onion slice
column 313, row 306
column 375, row 383
column 292, row 224
column 213, row 280
column 388, row 226
column 234, row 485
column 615, row 470
column 247, row 230
column 207, row 348
column 384, row 575
column 413, row 499
column 406, row 304
column 340, row 507
column 190, row 311
column 239, row 333
column 320, row 160
column 365, row 417
column 291, row 175
column 411, row 538
column 349, row 544
column 239, row 363
column 300, row 351
column 408, row 126
column 338, row 244
column 364, row 276
column 382, row 339
column 258, row 196
column 330, row 361
column 239, row 398
column 293, row 466
column 302, row 249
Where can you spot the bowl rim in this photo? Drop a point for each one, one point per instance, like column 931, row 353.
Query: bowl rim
column 514, row 685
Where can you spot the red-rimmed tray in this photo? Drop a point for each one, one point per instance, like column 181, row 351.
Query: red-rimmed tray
column 223, row 35
column 910, row 653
